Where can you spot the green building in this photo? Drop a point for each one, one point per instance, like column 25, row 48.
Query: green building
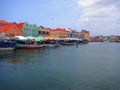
column 30, row 30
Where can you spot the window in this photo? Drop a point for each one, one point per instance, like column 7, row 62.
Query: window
column 39, row 32
column 43, row 32
column 48, row 33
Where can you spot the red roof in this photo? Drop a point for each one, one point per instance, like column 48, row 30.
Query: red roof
column 92, row 37
column 6, row 25
column 20, row 24
column 50, row 29
column 114, row 37
column 3, row 21
column 85, row 31
column 60, row 30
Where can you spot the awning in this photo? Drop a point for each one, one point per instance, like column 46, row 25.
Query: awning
column 48, row 38
column 20, row 38
column 40, row 38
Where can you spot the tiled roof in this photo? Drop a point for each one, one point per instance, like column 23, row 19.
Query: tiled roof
column 60, row 30
column 85, row 31
column 3, row 21
column 6, row 25
column 50, row 29
column 20, row 24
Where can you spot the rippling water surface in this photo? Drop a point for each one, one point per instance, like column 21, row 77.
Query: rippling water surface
column 95, row 66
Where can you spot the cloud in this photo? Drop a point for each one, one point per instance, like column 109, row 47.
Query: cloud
column 87, row 3
column 100, row 16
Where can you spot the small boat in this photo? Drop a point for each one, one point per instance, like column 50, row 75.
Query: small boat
column 50, row 43
column 7, row 45
column 32, row 47
column 27, row 45
column 67, row 42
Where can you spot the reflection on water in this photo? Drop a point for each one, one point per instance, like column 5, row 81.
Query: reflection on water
column 21, row 56
column 94, row 66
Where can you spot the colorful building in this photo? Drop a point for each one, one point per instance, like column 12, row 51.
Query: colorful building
column 9, row 29
column 75, row 34
column 28, row 30
column 44, row 32
column 59, row 33
column 84, row 34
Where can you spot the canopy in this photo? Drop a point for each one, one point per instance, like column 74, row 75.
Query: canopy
column 30, row 38
column 20, row 38
column 72, row 38
column 40, row 38
column 48, row 38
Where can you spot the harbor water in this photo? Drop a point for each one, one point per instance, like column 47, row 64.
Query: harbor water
column 92, row 66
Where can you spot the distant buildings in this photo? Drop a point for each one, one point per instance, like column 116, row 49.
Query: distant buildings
column 26, row 29
column 84, row 34
column 59, row 33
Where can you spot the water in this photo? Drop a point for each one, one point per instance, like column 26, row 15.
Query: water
column 95, row 66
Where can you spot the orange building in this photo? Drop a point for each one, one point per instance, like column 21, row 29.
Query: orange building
column 9, row 28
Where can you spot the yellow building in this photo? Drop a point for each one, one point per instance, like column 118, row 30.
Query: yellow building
column 59, row 33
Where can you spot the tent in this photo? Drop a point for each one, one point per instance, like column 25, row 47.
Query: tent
column 20, row 38
column 48, row 38
column 40, row 38
column 30, row 38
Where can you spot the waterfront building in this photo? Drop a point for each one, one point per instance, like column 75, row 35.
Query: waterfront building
column 9, row 29
column 59, row 33
column 70, row 33
column 114, row 38
column 28, row 30
column 84, row 34
column 44, row 32
column 75, row 34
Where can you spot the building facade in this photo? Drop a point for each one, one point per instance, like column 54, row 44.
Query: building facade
column 84, row 34
column 44, row 32
column 9, row 29
column 28, row 30
column 59, row 33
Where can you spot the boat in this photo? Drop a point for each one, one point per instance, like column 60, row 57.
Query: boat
column 67, row 42
column 27, row 46
column 7, row 45
column 20, row 44
column 50, row 43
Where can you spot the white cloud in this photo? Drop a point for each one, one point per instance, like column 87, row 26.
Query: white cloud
column 87, row 3
column 99, row 15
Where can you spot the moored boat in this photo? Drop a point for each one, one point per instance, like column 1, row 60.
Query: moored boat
column 50, row 43
column 27, row 45
column 7, row 45
column 67, row 42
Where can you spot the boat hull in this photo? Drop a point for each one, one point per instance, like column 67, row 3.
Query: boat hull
column 7, row 45
column 32, row 47
column 7, row 49
column 22, row 46
column 49, row 45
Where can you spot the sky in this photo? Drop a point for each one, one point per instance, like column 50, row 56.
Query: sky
column 100, row 17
